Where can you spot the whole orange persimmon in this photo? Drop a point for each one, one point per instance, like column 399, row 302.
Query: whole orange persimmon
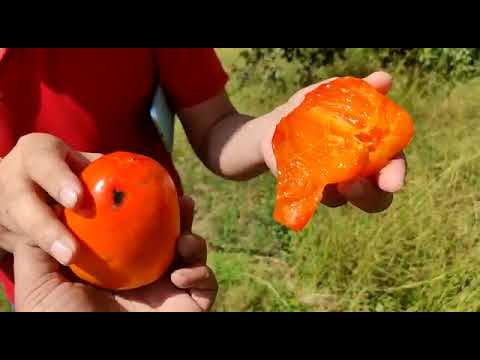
column 127, row 223
column 343, row 130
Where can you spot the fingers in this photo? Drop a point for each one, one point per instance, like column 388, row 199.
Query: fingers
column 187, row 209
column 38, row 173
column 392, row 177
column 45, row 163
column 199, row 280
column 200, row 277
column 32, row 267
column 375, row 194
column 366, row 195
column 192, row 250
column 8, row 239
column 39, row 223
column 80, row 160
column 332, row 197
column 201, row 283
column 380, row 80
column 32, row 263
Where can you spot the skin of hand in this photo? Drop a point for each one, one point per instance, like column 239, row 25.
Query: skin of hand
column 36, row 174
column 39, row 172
column 239, row 147
column 41, row 284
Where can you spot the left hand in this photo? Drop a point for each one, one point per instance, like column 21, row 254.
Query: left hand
column 41, row 284
column 372, row 194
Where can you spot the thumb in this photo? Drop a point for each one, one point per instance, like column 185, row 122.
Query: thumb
column 32, row 268
column 380, row 80
column 187, row 209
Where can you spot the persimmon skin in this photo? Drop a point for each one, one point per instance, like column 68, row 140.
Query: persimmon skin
column 343, row 130
column 127, row 223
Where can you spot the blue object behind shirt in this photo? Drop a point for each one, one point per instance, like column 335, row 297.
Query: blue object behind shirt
column 163, row 118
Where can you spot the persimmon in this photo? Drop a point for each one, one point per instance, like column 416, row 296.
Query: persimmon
column 127, row 222
column 343, row 130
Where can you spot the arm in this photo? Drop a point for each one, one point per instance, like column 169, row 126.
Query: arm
column 194, row 82
column 227, row 142
column 238, row 147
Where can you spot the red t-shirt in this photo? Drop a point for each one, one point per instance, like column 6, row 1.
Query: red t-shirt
column 98, row 100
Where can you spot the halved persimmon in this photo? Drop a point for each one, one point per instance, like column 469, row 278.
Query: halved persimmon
column 344, row 129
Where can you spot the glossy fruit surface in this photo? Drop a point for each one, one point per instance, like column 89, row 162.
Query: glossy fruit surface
column 127, row 223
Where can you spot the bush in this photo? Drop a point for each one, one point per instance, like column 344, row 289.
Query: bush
column 285, row 67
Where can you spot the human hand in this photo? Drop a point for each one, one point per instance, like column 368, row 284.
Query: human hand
column 36, row 174
column 43, row 285
column 373, row 194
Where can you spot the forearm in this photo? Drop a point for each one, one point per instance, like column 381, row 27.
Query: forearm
column 233, row 148
column 229, row 143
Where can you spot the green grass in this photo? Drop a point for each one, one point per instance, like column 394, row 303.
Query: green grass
column 423, row 254
column 4, row 305
column 420, row 255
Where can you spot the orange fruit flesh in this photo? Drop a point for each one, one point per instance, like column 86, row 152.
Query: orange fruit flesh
column 343, row 130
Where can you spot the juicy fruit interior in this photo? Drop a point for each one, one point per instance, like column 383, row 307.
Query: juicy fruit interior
column 342, row 130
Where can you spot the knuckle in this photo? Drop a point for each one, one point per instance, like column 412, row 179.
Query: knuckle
column 32, row 145
column 29, row 161
column 25, row 142
column 43, row 234
column 4, row 188
column 11, row 200
column 35, row 137
column 41, row 230
column 9, row 174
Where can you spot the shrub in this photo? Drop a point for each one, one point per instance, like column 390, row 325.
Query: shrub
column 285, row 67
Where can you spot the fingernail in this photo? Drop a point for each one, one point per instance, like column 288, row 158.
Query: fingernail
column 61, row 253
column 68, row 198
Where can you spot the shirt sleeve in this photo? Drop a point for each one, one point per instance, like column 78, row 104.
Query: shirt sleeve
column 190, row 76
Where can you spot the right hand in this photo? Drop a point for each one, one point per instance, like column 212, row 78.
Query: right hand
column 42, row 285
column 372, row 195
column 35, row 175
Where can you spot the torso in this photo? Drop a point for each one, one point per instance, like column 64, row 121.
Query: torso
column 96, row 100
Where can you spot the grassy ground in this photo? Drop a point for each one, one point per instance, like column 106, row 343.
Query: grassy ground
column 421, row 255
column 3, row 302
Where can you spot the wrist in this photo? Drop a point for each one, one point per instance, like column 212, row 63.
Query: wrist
column 270, row 122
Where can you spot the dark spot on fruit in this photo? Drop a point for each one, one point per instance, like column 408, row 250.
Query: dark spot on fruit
column 118, row 197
